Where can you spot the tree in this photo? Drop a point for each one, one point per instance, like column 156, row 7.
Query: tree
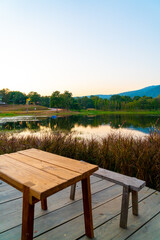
column 95, row 101
column 44, row 101
column 35, row 97
column 66, row 99
column 55, row 99
column 4, row 93
column 136, row 98
column 17, row 97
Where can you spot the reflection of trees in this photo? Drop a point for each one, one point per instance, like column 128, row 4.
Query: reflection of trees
column 68, row 122
column 20, row 125
column 62, row 123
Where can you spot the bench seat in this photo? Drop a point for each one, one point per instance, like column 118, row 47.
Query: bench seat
column 130, row 184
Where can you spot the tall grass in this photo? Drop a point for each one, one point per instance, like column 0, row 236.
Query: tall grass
column 134, row 157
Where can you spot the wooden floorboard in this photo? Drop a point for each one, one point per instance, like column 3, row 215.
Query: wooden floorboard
column 64, row 218
column 12, row 211
column 149, row 207
column 101, row 215
column 61, row 215
column 150, row 231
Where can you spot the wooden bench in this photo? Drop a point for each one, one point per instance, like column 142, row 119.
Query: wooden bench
column 130, row 184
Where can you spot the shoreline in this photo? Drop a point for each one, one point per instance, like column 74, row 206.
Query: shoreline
column 63, row 113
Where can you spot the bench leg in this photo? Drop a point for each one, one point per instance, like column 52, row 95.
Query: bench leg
column 73, row 190
column 87, row 205
column 27, row 216
column 124, row 207
column 44, row 204
column 135, row 203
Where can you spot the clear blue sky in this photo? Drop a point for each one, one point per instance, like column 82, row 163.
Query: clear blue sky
column 84, row 46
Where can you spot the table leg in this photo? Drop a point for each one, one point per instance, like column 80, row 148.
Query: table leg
column 73, row 190
column 87, row 205
column 44, row 204
column 27, row 216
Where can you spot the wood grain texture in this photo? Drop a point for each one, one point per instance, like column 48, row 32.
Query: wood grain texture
column 149, row 207
column 44, row 204
column 39, row 168
column 10, row 212
column 73, row 190
column 65, row 218
column 124, row 207
column 135, row 203
column 38, row 179
column 87, row 205
column 27, row 216
column 134, row 183
column 106, row 205
column 58, row 171
column 64, row 162
column 150, row 231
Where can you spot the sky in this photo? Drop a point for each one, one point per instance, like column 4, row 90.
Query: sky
column 84, row 46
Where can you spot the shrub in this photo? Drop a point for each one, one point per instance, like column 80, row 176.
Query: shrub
column 134, row 157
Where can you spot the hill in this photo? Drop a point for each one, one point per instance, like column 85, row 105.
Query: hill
column 151, row 91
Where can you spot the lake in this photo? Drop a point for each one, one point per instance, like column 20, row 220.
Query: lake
column 84, row 126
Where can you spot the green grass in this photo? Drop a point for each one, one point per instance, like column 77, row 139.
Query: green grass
column 100, row 112
column 42, row 111
column 8, row 114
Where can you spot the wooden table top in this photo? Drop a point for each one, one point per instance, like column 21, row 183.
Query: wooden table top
column 45, row 173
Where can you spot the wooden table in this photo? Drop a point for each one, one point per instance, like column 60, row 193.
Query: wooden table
column 38, row 175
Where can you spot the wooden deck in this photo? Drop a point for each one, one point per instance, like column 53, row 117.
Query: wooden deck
column 64, row 217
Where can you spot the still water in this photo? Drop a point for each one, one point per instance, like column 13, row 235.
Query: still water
column 83, row 126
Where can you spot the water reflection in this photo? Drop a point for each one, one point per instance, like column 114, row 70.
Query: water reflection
column 103, row 130
column 97, row 125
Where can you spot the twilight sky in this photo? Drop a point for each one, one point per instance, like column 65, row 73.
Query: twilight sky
column 84, row 46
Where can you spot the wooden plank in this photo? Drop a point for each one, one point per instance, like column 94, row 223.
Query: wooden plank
column 87, row 206
column 2, row 183
column 63, row 214
column 67, row 163
column 17, row 174
column 46, row 167
column 94, row 179
column 49, row 183
column 101, row 215
column 73, row 187
column 150, row 231
column 148, row 208
column 9, row 195
column 11, row 212
column 67, row 230
column 45, row 184
column 133, row 183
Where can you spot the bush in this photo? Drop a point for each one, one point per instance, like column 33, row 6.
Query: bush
column 134, row 157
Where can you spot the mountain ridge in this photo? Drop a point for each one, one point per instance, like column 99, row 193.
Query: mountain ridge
column 150, row 91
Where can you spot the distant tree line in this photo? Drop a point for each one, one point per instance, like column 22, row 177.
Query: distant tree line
column 16, row 97
column 115, row 103
column 67, row 101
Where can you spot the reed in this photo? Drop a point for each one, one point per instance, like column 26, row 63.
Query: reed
column 130, row 156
